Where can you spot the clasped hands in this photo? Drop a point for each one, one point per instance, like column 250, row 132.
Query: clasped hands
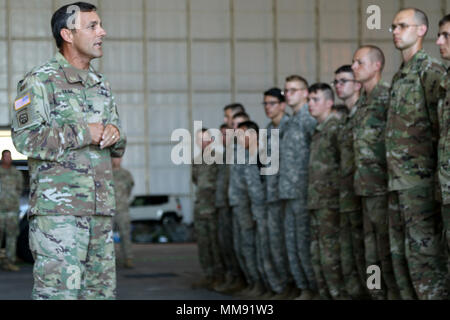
column 104, row 136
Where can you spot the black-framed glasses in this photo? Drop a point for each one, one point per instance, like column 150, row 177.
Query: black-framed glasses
column 402, row 26
column 270, row 103
column 341, row 81
column 444, row 34
column 291, row 91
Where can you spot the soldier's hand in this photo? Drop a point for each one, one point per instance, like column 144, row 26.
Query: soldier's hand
column 110, row 136
column 96, row 130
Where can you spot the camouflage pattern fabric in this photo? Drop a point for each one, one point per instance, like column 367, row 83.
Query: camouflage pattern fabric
column 412, row 133
column 369, row 142
column 323, row 202
column 294, row 154
column 444, row 157
column 416, row 245
column 74, row 257
column 256, row 190
column 205, row 218
column 225, row 234
column 275, row 215
column 123, row 184
column 9, row 227
column 412, row 128
column 272, row 181
column 324, row 165
column 350, row 208
column 293, row 179
column 225, row 223
column 298, row 242
column 70, row 177
column 325, row 252
column 277, row 244
column 54, row 104
column 376, row 239
column 11, row 185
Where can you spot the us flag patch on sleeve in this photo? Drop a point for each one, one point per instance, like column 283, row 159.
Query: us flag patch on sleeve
column 22, row 102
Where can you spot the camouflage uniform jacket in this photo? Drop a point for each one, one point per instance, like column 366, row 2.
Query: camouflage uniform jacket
column 324, row 163
column 69, row 176
column 444, row 140
column 123, row 184
column 11, row 186
column 348, row 200
column 294, row 154
column 223, row 179
column 272, row 180
column 204, row 176
column 368, row 142
column 412, row 128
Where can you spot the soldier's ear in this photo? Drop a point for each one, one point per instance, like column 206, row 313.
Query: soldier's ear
column 422, row 30
column 67, row 35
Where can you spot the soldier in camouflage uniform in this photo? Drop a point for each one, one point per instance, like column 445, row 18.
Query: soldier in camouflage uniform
column 251, row 195
column 274, row 106
column 352, row 240
column 11, row 185
column 123, row 184
column 293, row 185
column 65, row 120
column 204, row 176
column 443, row 42
column 234, row 275
column 412, row 132
column 370, row 178
column 323, row 194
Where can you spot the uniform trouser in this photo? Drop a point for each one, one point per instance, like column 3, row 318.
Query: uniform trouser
column 351, row 253
column 122, row 221
column 415, row 232
column 74, row 257
column 266, row 265
column 376, row 240
column 445, row 210
column 208, row 245
column 325, row 250
column 277, row 242
column 244, row 236
column 225, row 233
column 298, row 242
column 9, row 226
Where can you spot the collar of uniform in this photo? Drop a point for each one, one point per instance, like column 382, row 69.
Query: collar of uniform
column 352, row 112
column 320, row 126
column 406, row 68
column 366, row 99
column 88, row 78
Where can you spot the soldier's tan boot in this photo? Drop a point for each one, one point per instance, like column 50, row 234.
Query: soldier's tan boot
column 268, row 295
column 217, row 282
column 237, row 285
column 257, row 290
column 222, row 288
column 306, row 295
column 393, row 295
column 284, row 295
column 203, row 283
column 128, row 264
column 245, row 291
column 10, row 267
column 295, row 292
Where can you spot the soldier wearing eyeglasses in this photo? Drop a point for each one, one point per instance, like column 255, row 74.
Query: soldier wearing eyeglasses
column 443, row 42
column 412, row 133
column 351, row 235
column 293, row 185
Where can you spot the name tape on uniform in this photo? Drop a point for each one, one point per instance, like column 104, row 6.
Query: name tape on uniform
column 22, row 102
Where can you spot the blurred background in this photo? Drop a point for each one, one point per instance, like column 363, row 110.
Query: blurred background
column 171, row 62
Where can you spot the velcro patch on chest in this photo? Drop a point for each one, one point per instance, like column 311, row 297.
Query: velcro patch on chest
column 22, row 102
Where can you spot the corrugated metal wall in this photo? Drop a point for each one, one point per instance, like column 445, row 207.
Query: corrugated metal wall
column 171, row 62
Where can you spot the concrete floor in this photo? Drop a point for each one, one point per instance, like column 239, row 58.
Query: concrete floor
column 162, row 272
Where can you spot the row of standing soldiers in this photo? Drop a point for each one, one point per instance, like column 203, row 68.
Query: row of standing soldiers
column 359, row 189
